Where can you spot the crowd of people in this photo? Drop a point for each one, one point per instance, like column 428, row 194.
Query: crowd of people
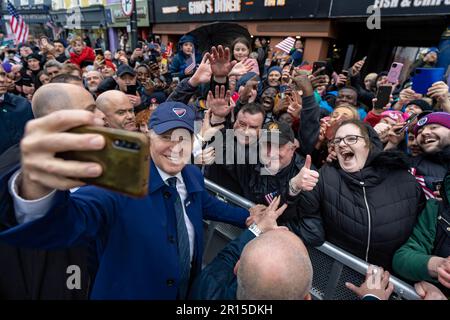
column 311, row 147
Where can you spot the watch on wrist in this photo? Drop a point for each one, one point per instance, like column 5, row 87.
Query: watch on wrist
column 255, row 229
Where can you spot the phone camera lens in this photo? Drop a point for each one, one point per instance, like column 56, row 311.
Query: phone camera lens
column 394, row 65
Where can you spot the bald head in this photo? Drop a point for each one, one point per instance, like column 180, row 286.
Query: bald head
column 118, row 110
column 61, row 96
column 274, row 266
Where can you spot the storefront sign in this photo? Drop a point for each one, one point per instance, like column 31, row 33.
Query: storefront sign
column 355, row 8
column 211, row 10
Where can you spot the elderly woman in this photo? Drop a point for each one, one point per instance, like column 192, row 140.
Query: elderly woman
column 366, row 203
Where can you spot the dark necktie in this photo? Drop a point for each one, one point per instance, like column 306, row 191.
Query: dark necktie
column 183, row 243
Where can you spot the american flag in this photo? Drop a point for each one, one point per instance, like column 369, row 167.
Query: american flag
column 270, row 196
column 18, row 25
column 286, row 45
column 421, row 180
column 190, row 63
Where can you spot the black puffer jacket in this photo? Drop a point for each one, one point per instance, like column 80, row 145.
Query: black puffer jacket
column 370, row 213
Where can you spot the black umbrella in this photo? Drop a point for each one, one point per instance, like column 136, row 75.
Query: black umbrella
column 217, row 33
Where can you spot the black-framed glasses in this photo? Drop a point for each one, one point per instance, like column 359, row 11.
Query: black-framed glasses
column 348, row 140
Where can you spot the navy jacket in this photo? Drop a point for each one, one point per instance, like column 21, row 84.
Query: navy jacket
column 218, row 281
column 15, row 111
column 137, row 248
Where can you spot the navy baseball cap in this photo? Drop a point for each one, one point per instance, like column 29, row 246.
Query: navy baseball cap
column 171, row 115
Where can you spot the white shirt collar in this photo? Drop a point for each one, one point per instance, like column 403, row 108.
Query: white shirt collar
column 165, row 176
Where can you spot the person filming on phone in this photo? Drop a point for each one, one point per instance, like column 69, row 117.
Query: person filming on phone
column 148, row 248
column 125, row 81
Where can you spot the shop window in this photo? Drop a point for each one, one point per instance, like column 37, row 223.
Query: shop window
column 38, row 1
column 23, row 3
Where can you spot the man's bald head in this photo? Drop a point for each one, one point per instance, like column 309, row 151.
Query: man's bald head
column 118, row 110
column 274, row 266
column 61, row 96
column 112, row 99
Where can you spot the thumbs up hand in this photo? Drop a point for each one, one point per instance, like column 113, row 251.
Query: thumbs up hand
column 306, row 179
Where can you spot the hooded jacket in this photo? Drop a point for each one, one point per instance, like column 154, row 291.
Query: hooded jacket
column 178, row 64
column 370, row 213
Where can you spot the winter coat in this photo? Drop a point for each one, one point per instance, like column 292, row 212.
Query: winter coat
column 87, row 54
column 179, row 62
column 430, row 237
column 217, row 280
column 432, row 167
column 370, row 213
column 15, row 111
column 33, row 274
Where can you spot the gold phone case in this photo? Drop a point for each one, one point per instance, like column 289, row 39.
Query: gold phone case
column 125, row 160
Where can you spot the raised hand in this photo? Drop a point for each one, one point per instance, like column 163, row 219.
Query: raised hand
column 241, row 68
column 438, row 91
column 249, row 91
column 304, row 83
column 203, row 73
column 356, row 68
column 295, row 104
column 220, row 61
column 306, row 179
column 220, row 102
column 207, row 131
column 267, row 219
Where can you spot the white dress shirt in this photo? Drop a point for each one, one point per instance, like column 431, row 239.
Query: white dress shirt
column 181, row 188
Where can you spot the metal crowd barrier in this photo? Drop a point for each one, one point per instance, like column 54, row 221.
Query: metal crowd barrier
column 332, row 265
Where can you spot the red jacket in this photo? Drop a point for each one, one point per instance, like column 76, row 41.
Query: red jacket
column 373, row 118
column 86, row 55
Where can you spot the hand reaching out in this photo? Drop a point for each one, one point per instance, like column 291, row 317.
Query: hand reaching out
column 220, row 61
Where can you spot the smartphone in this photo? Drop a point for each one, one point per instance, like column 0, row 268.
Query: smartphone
column 383, row 96
column 98, row 51
column 320, row 64
column 424, row 78
column 394, row 72
column 125, row 160
column 131, row 89
column 407, row 123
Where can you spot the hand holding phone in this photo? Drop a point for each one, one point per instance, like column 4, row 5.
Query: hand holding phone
column 394, row 73
column 424, row 78
column 383, row 96
column 407, row 123
column 125, row 160
column 131, row 89
column 319, row 65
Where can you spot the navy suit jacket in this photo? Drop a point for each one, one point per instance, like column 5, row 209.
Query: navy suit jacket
column 136, row 238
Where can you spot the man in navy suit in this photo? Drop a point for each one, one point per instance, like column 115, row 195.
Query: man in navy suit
column 148, row 248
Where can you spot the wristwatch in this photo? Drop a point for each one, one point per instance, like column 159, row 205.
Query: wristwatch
column 255, row 229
